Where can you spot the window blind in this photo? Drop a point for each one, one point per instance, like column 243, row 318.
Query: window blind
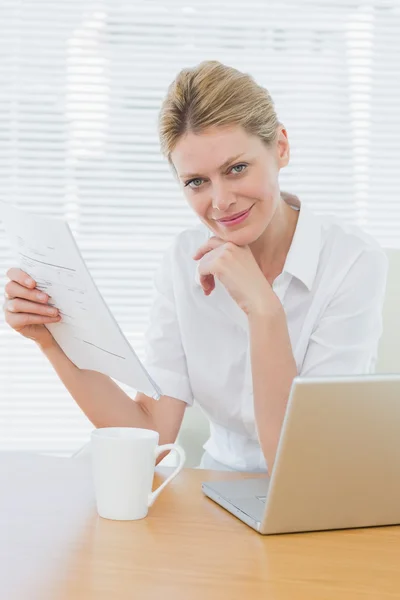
column 81, row 83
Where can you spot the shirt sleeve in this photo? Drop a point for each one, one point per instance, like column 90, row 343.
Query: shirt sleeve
column 346, row 337
column 165, row 358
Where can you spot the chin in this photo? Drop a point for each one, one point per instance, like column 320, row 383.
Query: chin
column 241, row 236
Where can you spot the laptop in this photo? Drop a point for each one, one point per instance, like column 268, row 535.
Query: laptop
column 337, row 464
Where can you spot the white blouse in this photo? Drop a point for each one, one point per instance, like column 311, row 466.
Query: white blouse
column 197, row 347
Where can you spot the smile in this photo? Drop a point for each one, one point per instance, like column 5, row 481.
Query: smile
column 235, row 219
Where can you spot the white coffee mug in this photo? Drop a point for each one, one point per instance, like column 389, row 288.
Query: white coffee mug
column 123, row 460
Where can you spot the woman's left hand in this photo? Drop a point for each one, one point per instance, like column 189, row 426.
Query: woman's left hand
column 237, row 269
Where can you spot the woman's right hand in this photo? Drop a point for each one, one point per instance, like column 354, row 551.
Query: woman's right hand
column 26, row 308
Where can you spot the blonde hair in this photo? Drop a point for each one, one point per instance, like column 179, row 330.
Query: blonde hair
column 213, row 94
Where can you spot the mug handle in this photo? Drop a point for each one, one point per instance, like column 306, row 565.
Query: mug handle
column 182, row 458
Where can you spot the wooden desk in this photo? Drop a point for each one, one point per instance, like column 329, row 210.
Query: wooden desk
column 53, row 546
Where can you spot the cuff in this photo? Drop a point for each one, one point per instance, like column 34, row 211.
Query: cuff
column 172, row 384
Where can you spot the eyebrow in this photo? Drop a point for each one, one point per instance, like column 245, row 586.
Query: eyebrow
column 221, row 168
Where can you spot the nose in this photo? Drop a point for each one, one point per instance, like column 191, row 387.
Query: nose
column 222, row 198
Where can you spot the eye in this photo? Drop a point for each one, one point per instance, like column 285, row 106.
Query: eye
column 196, row 183
column 239, row 168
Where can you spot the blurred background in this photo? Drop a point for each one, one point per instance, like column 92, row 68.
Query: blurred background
column 81, row 83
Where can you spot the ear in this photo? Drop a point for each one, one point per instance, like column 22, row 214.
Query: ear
column 283, row 148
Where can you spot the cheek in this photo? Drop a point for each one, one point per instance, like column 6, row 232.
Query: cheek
column 259, row 188
column 198, row 203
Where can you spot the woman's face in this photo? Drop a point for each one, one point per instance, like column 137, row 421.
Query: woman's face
column 230, row 179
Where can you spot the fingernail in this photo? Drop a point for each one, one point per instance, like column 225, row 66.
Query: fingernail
column 28, row 281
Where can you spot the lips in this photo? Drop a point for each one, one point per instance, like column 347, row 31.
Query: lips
column 234, row 217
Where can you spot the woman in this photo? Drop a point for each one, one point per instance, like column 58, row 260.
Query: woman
column 261, row 291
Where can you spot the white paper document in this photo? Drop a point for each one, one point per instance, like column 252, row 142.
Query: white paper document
column 88, row 333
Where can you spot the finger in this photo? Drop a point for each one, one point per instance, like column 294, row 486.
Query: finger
column 207, row 282
column 212, row 243
column 16, row 290
column 21, row 277
column 18, row 305
column 19, row 320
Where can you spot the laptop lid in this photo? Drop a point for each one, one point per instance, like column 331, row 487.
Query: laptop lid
column 338, row 458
